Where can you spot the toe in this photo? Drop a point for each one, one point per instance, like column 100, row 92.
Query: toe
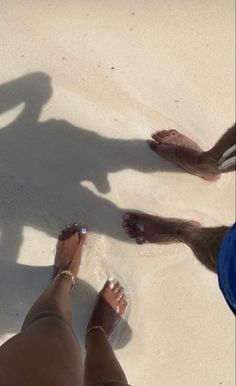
column 109, row 285
column 121, row 294
column 69, row 230
column 65, row 233
column 161, row 134
column 132, row 233
column 130, row 217
column 152, row 144
column 140, row 240
column 60, row 237
column 74, row 228
column 116, row 288
column 82, row 234
column 122, row 306
column 157, row 136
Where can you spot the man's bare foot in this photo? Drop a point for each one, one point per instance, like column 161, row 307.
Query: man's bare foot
column 69, row 248
column 178, row 148
column 173, row 137
column 144, row 227
column 110, row 308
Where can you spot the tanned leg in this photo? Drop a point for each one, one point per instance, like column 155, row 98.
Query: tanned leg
column 101, row 366
column 46, row 352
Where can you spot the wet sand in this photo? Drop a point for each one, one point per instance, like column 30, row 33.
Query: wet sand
column 82, row 86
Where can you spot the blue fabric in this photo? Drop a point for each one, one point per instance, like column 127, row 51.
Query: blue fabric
column 226, row 268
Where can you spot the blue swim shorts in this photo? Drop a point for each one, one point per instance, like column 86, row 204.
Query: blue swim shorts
column 226, row 268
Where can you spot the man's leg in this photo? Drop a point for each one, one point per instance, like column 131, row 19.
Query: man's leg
column 175, row 147
column 204, row 242
column 101, row 365
column 225, row 142
column 46, row 352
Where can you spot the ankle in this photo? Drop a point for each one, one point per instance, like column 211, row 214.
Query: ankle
column 187, row 232
column 92, row 333
column 65, row 277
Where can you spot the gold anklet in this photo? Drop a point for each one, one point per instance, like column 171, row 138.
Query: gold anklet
column 91, row 329
column 66, row 272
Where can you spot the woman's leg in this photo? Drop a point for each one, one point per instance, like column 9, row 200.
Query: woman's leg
column 101, row 366
column 56, row 299
column 46, row 352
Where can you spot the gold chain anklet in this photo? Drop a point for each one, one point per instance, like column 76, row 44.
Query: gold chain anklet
column 66, row 272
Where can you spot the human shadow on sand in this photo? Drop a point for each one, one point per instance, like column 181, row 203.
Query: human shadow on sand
column 43, row 163
column 42, row 166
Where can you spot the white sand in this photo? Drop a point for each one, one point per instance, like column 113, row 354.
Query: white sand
column 76, row 150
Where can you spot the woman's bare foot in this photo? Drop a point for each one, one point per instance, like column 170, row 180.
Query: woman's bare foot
column 144, row 227
column 69, row 248
column 110, row 308
column 178, row 148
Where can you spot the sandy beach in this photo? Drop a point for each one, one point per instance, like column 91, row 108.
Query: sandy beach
column 83, row 84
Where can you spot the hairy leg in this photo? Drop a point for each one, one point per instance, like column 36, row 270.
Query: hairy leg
column 224, row 143
column 176, row 147
column 204, row 242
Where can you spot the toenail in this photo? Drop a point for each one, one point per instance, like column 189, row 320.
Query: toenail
column 112, row 285
column 117, row 309
column 110, row 279
column 140, row 227
column 140, row 240
column 83, row 230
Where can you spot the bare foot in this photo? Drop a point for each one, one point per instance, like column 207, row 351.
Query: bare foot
column 175, row 138
column 144, row 227
column 178, row 148
column 110, row 308
column 69, row 248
